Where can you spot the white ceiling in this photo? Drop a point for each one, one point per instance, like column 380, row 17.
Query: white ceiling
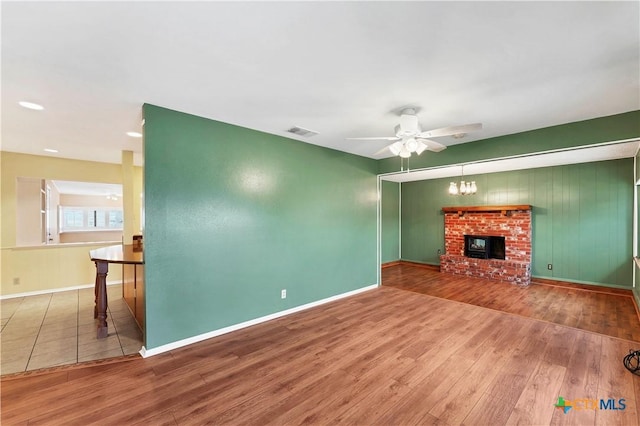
column 340, row 68
column 88, row 188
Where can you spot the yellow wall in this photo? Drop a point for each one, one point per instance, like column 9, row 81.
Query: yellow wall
column 50, row 267
column 28, row 216
column 59, row 266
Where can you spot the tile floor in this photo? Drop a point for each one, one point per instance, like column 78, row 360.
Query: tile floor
column 58, row 328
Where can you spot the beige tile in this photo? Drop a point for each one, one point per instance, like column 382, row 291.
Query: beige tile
column 91, row 335
column 71, row 295
column 98, row 346
column 86, row 317
column 111, row 353
column 16, row 366
column 60, row 346
column 24, row 344
column 13, row 331
column 9, row 306
column 39, row 299
column 51, row 360
column 130, row 332
column 11, row 355
column 26, row 321
column 63, row 325
column 62, row 310
column 51, row 324
column 54, row 334
column 123, row 323
column 131, row 349
column 121, row 312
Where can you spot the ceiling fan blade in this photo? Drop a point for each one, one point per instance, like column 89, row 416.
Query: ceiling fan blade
column 433, row 145
column 394, row 148
column 453, row 130
column 386, row 148
column 381, row 138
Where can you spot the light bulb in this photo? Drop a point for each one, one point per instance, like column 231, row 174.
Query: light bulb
column 404, row 152
column 474, row 188
column 453, row 188
column 395, row 148
column 411, row 145
column 421, row 147
column 463, row 187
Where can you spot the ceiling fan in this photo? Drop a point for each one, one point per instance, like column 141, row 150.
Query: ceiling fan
column 410, row 138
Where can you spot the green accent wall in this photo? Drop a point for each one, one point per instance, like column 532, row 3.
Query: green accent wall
column 598, row 130
column 235, row 215
column 390, row 208
column 582, row 218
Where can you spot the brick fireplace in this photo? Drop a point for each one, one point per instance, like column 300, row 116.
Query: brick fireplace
column 512, row 222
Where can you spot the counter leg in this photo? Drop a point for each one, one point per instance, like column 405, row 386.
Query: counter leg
column 95, row 294
column 102, row 268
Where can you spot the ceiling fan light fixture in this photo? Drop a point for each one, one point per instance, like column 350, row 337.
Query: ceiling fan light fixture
column 404, row 152
column 421, row 147
column 411, row 144
column 395, row 148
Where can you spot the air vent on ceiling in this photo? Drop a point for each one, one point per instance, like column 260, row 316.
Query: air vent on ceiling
column 300, row 131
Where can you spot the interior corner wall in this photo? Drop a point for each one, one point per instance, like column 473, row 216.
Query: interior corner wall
column 234, row 216
column 582, row 218
column 390, row 208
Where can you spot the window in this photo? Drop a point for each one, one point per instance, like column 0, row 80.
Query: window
column 90, row 219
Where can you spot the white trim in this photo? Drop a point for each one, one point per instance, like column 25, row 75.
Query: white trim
column 452, row 169
column 634, row 249
column 195, row 339
column 399, row 220
column 567, row 280
column 54, row 290
column 379, row 231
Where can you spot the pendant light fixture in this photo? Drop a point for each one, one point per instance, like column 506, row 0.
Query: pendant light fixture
column 466, row 188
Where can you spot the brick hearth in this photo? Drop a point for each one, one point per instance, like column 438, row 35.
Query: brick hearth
column 511, row 222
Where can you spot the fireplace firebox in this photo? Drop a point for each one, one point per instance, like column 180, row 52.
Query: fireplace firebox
column 484, row 247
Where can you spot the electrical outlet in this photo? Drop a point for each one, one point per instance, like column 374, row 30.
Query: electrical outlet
column 16, row 281
column 283, row 294
column 549, row 266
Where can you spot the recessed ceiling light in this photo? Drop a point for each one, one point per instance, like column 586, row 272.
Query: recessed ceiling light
column 51, row 150
column 134, row 134
column 30, row 105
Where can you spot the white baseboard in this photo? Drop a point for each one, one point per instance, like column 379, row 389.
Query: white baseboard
column 54, row 290
column 184, row 342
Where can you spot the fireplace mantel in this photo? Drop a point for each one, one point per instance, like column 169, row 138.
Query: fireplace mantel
column 504, row 209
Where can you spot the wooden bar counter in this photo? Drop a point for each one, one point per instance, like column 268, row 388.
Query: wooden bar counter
column 119, row 254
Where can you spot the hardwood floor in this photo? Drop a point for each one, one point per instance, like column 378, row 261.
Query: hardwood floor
column 386, row 356
column 603, row 310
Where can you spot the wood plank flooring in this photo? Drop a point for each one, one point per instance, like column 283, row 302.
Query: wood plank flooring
column 386, row 356
column 603, row 310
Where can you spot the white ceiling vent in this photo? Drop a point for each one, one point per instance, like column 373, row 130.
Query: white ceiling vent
column 301, row 131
